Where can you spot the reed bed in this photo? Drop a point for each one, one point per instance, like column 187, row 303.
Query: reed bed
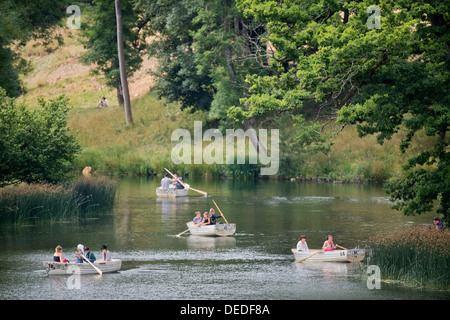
column 28, row 203
column 417, row 255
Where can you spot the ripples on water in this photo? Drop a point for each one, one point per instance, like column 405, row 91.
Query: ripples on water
column 256, row 263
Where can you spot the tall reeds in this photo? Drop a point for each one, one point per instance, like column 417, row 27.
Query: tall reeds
column 417, row 255
column 27, row 203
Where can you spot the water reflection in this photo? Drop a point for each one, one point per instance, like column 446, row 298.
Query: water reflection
column 256, row 263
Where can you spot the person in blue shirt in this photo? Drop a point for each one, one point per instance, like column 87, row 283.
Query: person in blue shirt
column 89, row 255
column 438, row 223
column 79, row 254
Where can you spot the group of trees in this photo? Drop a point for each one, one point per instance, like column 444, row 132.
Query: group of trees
column 248, row 62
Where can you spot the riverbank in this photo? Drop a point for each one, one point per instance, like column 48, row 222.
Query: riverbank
column 144, row 148
column 36, row 202
column 113, row 148
column 419, row 256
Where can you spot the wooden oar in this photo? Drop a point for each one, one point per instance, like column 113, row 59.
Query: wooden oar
column 220, row 212
column 300, row 261
column 341, row 247
column 188, row 188
column 98, row 270
column 185, row 231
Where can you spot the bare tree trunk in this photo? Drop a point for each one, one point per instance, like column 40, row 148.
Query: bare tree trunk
column 119, row 95
column 123, row 74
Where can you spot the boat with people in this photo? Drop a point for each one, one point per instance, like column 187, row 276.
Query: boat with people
column 348, row 255
column 216, row 230
column 67, row 268
column 172, row 192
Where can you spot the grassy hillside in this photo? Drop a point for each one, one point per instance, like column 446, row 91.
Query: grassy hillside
column 110, row 146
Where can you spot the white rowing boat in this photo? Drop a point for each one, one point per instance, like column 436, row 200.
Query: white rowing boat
column 216, row 230
column 349, row 255
column 60, row 268
column 172, row 192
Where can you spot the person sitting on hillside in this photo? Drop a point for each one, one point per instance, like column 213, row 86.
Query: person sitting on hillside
column 438, row 224
column 103, row 103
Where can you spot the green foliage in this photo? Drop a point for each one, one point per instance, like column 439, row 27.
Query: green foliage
column 99, row 30
column 414, row 255
column 34, row 202
column 36, row 145
column 21, row 21
column 381, row 79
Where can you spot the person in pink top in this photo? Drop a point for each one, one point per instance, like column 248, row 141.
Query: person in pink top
column 329, row 245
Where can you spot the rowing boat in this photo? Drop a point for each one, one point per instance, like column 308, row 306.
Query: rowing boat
column 349, row 255
column 60, row 268
column 216, row 230
column 172, row 192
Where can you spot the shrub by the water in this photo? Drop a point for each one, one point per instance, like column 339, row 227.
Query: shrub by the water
column 50, row 202
column 419, row 255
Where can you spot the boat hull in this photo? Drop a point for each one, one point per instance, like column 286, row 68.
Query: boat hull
column 172, row 193
column 350, row 255
column 217, row 230
column 59, row 268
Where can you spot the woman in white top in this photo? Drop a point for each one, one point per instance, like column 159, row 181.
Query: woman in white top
column 302, row 245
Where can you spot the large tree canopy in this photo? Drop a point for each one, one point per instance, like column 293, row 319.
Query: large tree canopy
column 21, row 21
column 381, row 79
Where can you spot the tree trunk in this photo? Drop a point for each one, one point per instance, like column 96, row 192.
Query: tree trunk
column 123, row 74
column 119, row 95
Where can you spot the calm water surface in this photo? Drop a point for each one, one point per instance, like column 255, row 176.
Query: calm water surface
column 256, row 263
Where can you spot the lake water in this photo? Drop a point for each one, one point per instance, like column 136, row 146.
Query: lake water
column 255, row 264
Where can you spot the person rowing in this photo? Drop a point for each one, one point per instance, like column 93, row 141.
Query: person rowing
column 212, row 216
column 329, row 245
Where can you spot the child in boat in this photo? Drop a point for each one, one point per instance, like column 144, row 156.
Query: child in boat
column 206, row 219
column 198, row 218
column 328, row 245
column 302, row 245
column 212, row 216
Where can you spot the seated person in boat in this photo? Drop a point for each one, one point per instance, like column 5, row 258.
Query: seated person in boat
column 329, row 245
column 212, row 216
column 302, row 245
column 106, row 254
column 206, row 220
column 177, row 183
column 165, row 182
column 79, row 254
column 197, row 219
column 58, row 256
column 89, row 255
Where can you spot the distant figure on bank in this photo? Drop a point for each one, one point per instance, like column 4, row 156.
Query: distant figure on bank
column 165, row 182
column 106, row 254
column 439, row 225
column 302, row 245
column 103, row 103
column 87, row 172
